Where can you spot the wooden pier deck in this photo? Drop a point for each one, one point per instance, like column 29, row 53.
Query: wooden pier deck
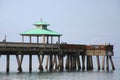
column 76, row 55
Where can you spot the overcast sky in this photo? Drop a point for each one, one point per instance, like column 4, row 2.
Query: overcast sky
column 80, row 21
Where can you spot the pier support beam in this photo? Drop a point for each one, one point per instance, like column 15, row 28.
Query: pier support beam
column 70, row 62
column 67, row 62
column 7, row 63
column 55, row 57
column 83, row 62
column 30, row 63
column 112, row 64
column 51, row 65
column 61, row 62
column 19, row 61
column 98, row 62
column 103, row 63
column 54, row 62
column 40, row 62
column 74, row 62
column 78, row 62
column 47, row 59
column 107, row 63
column 88, row 62
column 91, row 62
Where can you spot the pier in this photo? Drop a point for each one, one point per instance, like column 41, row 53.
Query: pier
column 60, row 56
column 76, row 55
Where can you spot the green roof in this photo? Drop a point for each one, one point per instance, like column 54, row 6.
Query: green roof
column 41, row 23
column 40, row 31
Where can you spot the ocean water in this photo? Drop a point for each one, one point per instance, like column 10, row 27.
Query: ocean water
column 76, row 75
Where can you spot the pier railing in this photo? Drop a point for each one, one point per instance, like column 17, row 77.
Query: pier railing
column 10, row 47
column 18, row 44
column 26, row 48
